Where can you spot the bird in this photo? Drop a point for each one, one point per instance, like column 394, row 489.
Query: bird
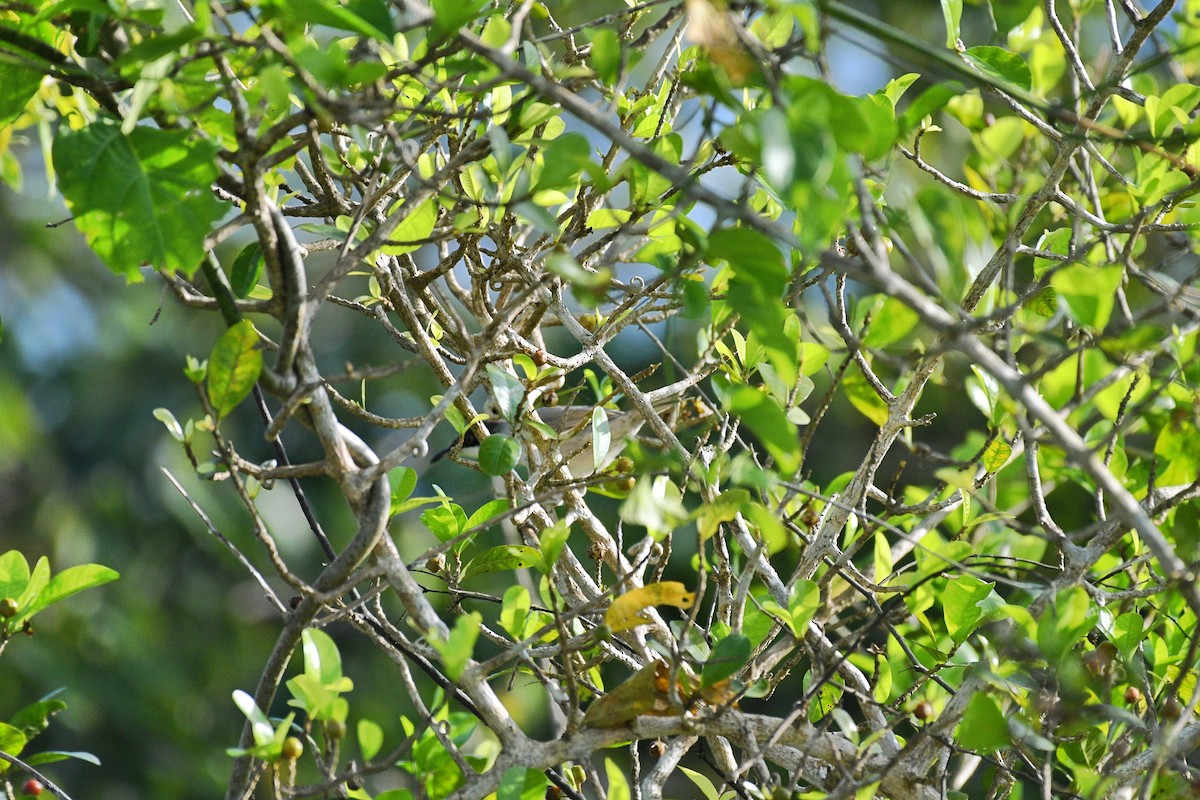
column 573, row 428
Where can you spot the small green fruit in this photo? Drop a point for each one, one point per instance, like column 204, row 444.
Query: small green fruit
column 292, row 749
column 335, row 729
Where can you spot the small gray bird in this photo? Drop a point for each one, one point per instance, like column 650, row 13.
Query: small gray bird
column 573, row 426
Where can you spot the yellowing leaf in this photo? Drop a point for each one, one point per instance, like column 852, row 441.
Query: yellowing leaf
column 625, row 611
column 644, row 693
column 996, row 455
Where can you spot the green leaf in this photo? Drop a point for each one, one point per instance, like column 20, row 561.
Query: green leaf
column 370, row 738
column 151, row 49
column 260, row 726
column 415, row 229
column 588, row 287
column 961, row 605
column 457, row 650
column 18, row 85
column 1011, row 13
column 896, row 87
column 1003, row 64
column 395, row 794
column 53, row 756
column 141, row 198
column 522, row 783
column 445, row 522
column 507, row 390
column 765, row 522
column 656, row 504
column 450, row 15
column 71, row 581
column 1178, row 447
column 318, row 690
column 1057, row 241
column 606, row 55
column 952, row 16
column 729, row 656
column 12, row 741
column 35, row 717
column 883, row 558
column 14, row 574
column 618, row 786
column 702, row 783
column 553, row 540
column 368, row 18
column 233, row 367
column 488, row 511
column 984, row 728
column 514, row 612
column 246, row 270
column 724, row 508
column 1090, row 292
column 803, row 602
column 504, row 558
column 928, row 102
column 1063, row 626
column 165, row 416
column 864, row 125
column 891, row 322
column 563, row 159
column 1128, row 633
column 404, row 481
column 647, row 185
column 498, row 454
column 864, row 397
column 321, row 657
column 755, row 291
column 763, row 416
column 1044, row 303
column 39, row 579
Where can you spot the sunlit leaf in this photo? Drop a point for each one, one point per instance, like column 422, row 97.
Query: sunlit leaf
column 625, row 611
column 1003, row 64
column 370, row 738
column 984, row 728
column 145, row 198
column 72, row 581
column 233, row 367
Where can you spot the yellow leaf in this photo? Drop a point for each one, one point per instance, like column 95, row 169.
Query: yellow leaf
column 625, row 611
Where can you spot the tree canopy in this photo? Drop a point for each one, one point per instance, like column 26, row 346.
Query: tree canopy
column 900, row 300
